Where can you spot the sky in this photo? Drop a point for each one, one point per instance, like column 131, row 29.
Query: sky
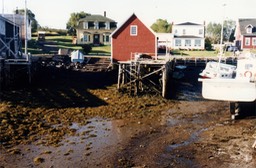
column 56, row 13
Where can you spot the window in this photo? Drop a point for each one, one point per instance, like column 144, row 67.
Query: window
column 85, row 25
column 247, row 41
column 184, row 31
column 177, row 42
column 96, row 25
column 86, row 38
column 249, row 29
column 187, row 42
column 254, row 41
column 201, row 31
column 106, row 38
column 197, row 43
column 133, row 30
column 176, row 31
column 248, row 66
column 107, row 26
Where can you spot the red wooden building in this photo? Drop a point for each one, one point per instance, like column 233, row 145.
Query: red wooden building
column 132, row 37
column 245, row 34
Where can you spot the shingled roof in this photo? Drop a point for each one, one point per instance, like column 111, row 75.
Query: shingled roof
column 243, row 23
column 99, row 18
column 187, row 23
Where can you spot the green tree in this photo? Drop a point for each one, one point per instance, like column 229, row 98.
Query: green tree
column 161, row 26
column 31, row 16
column 213, row 31
column 73, row 20
column 229, row 30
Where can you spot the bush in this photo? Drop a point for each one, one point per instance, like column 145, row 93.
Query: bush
column 86, row 48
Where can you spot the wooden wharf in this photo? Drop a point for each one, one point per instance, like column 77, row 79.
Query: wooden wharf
column 143, row 75
column 14, row 68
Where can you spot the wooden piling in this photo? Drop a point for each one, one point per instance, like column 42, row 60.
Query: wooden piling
column 137, row 77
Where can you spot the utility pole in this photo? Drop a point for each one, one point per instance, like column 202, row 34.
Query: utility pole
column 2, row 6
column 25, row 27
column 222, row 27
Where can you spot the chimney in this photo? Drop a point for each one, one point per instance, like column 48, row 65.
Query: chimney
column 105, row 14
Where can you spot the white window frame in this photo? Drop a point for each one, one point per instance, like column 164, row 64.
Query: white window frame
column 85, row 25
column 254, row 41
column 177, row 42
column 106, row 38
column 198, row 43
column 188, row 43
column 184, row 31
column 247, row 41
column 201, row 31
column 134, row 30
column 107, row 26
column 249, row 30
column 86, row 38
column 96, row 25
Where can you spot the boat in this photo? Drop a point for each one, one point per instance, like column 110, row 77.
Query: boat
column 218, row 70
column 239, row 85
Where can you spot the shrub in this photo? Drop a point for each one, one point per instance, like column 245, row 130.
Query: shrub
column 86, row 48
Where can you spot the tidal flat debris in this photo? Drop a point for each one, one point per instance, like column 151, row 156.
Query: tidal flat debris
column 38, row 160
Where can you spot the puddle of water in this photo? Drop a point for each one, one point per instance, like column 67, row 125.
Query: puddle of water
column 193, row 138
column 91, row 146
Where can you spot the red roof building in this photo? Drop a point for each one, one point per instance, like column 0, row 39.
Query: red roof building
column 132, row 37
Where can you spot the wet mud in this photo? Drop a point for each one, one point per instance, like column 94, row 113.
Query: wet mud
column 78, row 119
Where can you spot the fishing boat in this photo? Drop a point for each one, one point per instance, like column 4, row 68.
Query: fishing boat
column 218, row 70
column 239, row 85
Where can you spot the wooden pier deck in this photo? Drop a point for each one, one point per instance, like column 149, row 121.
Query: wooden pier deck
column 145, row 75
column 140, row 76
column 197, row 60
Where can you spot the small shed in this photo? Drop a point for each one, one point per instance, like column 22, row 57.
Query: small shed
column 77, row 57
column 10, row 39
column 132, row 37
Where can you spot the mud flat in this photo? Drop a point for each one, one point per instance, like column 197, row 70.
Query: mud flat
column 73, row 119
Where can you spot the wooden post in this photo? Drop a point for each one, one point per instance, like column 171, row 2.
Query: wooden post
column 164, row 78
column 119, row 76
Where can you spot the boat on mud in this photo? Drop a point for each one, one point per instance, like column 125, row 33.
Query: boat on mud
column 230, row 83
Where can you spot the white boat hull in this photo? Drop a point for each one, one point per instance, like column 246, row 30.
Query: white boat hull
column 228, row 90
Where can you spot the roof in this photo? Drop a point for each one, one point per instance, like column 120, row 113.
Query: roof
column 188, row 24
column 5, row 19
column 123, row 24
column 15, row 18
column 243, row 23
column 98, row 18
column 187, row 36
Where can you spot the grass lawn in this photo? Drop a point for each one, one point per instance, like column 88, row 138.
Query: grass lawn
column 199, row 53
column 66, row 42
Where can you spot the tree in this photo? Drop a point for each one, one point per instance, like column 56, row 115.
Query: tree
column 161, row 26
column 213, row 31
column 31, row 16
column 73, row 20
column 229, row 30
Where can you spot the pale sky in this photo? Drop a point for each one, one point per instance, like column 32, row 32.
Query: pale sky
column 55, row 13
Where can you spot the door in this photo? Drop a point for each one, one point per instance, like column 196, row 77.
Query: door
column 96, row 39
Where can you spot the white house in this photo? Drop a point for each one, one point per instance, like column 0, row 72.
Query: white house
column 164, row 40
column 189, row 36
